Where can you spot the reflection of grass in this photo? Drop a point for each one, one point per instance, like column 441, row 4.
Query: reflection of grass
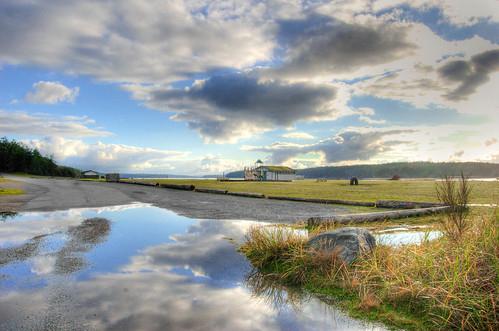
column 440, row 284
column 272, row 291
column 10, row 191
column 412, row 190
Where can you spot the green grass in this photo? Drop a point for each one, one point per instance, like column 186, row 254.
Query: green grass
column 411, row 190
column 10, row 191
column 92, row 179
column 439, row 284
column 7, row 190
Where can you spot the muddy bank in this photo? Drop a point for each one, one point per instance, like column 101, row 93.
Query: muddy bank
column 47, row 194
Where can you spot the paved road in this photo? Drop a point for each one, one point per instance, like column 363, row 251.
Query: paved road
column 57, row 194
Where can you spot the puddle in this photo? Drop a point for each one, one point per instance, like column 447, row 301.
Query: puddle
column 141, row 267
column 399, row 238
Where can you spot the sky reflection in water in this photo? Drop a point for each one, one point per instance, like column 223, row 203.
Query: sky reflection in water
column 142, row 267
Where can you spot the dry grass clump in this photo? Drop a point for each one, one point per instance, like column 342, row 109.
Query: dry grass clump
column 453, row 285
column 455, row 194
column 438, row 284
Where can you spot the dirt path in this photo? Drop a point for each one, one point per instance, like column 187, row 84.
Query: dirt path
column 46, row 194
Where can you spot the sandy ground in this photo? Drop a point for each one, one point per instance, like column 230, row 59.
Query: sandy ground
column 47, row 194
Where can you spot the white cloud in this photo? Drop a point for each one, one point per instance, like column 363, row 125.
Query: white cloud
column 125, row 158
column 369, row 120
column 348, row 145
column 458, row 12
column 102, row 156
column 51, row 93
column 132, row 41
column 490, row 142
column 22, row 123
column 298, row 135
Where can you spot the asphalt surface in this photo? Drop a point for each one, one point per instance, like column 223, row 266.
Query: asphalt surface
column 48, row 194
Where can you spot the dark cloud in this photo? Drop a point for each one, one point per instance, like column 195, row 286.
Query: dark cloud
column 469, row 74
column 346, row 146
column 222, row 106
column 317, row 45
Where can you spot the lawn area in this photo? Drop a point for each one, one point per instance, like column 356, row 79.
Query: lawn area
column 10, row 191
column 368, row 190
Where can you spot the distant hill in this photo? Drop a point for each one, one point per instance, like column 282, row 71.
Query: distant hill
column 235, row 174
column 402, row 169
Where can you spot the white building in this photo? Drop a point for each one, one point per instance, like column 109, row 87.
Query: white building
column 269, row 173
column 91, row 174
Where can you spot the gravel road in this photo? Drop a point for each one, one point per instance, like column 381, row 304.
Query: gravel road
column 47, row 194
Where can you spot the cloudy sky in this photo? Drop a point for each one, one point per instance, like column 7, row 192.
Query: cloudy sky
column 201, row 87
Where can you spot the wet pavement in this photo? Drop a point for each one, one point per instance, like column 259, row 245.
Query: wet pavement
column 49, row 194
column 139, row 267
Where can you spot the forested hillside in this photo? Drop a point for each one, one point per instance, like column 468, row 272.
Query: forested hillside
column 17, row 157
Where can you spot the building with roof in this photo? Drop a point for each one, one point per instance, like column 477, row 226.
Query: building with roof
column 262, row 172
column 91, row 174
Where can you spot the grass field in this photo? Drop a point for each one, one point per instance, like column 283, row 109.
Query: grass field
column 10, row 191
column 368, row 190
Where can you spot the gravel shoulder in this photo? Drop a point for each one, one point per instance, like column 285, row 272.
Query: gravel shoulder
column 47, row 194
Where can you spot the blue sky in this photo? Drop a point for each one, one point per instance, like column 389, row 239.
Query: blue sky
column 209, row 87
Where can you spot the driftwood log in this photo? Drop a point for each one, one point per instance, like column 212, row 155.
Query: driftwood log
column 210, row 190
column 377, row 216
column 326, row 201
column 405, row 204
column 247, row 194
column 178, row 187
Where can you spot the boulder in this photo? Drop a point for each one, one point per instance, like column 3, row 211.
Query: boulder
column 347, row 243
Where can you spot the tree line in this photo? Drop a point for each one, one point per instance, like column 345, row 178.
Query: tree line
column 18, row 157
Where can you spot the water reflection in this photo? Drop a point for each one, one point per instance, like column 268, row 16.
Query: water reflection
column 82, row 238
column 144, row 268
column 268, row 288
column 4, row 215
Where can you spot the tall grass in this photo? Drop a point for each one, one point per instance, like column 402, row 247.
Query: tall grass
column 456, row 195
column 439, row 284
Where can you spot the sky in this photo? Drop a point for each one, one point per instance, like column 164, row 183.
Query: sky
column 205, row 87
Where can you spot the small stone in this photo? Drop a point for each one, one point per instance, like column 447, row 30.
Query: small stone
column 348, row 243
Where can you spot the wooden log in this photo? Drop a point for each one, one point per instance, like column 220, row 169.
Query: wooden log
column 136, row 183
column 210, row 190
column 178, row 187
column 378, row 216
column 405, row 204
column 247, row 194
column 327, row 201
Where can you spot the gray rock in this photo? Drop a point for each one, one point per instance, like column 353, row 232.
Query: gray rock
column 348, row 242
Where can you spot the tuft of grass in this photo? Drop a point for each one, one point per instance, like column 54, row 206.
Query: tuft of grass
column 456, row 195
column 436, row 284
